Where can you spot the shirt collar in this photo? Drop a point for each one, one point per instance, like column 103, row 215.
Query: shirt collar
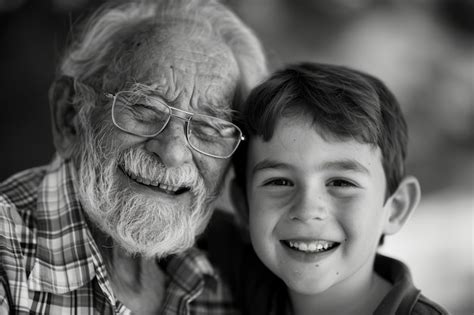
column 189, row 275
column 402, row 297
column 66, row 255
column 190, row 268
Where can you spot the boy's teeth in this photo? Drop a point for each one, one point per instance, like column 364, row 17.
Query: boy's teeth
column 312, row 246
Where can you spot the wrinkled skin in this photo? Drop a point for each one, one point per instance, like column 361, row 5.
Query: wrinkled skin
column 191, row 73
column 187, row 72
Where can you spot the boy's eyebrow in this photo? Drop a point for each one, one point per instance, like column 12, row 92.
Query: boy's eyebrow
column 268, row 163
column 347, row 165
column 344, row 164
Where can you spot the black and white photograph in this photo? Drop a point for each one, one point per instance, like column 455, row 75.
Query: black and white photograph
column 237, row 157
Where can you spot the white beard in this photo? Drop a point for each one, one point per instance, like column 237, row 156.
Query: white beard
column 138, row 223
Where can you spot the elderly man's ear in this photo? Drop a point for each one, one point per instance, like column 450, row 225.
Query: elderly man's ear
column 63, row 115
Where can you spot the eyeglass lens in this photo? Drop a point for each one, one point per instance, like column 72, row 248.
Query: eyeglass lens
column 147, row 116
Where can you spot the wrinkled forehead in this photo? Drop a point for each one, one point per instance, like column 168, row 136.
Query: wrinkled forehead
column 183, row 62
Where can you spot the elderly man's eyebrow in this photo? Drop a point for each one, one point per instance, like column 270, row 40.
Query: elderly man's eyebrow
column 138, row 87
column 217, row 111
column 210, row 109
column 269, row 164
column 346, row 165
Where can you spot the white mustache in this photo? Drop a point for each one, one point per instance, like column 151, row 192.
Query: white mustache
column 143, row 165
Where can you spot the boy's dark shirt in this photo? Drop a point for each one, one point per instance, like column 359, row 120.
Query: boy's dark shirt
column 404, row 297
column 258, row 291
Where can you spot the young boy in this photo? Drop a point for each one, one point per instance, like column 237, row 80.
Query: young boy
column 324, row 181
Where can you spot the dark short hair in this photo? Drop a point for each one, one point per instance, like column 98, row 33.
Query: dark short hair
column 341, row 102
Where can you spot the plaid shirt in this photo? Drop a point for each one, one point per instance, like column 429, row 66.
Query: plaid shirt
column 50, row 264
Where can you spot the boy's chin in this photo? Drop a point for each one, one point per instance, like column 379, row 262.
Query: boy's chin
column 310, row 286
column 307, row 288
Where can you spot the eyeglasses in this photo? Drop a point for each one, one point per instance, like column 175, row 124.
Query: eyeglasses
column 147, row 116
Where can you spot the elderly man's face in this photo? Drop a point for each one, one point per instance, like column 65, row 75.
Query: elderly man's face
column 152, row 194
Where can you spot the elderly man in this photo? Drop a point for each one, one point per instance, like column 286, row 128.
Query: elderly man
column 142, row 112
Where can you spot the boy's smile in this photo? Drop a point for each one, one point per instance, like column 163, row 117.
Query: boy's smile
column 316, row 207
column 309, row 250
column 310, row 246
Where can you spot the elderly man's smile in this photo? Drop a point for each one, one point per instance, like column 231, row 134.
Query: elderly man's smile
column 154, row 184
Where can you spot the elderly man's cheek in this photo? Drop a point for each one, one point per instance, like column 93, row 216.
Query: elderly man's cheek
column 214, row 172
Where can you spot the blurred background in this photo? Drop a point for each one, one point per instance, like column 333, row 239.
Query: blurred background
column 422, row 49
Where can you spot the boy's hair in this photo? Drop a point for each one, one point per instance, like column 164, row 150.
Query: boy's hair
column 341, row 102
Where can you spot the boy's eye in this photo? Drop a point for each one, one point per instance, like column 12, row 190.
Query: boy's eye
column 278, row 182
column 341, row 183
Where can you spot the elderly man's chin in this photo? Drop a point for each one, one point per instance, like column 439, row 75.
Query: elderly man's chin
column 149, row 224
column 155, row 226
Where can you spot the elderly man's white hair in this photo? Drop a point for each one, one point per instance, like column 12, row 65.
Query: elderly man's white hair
column 90, row 55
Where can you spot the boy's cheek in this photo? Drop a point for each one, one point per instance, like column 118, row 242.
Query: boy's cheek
column 274, row 199
column 261, row 224
column 265, row 215
column 264, row 207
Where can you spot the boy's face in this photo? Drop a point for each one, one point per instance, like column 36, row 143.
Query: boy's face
column 316, row 207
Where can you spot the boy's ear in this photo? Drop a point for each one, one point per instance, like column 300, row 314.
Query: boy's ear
column 237, row 196
column 401, row 204
column 63, row 115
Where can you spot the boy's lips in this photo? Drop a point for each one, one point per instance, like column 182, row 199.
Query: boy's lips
column 310, row 246
column 309, row 250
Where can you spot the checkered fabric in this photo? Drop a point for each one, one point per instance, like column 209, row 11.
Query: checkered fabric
column 50, row 264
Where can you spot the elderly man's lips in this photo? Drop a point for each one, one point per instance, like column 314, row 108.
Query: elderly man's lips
column 155, row 185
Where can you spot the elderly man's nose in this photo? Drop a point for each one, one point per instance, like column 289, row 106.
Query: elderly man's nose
column 171, row 145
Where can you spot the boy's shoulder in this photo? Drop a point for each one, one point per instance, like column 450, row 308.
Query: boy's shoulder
column 404, row 297
column 425, row 306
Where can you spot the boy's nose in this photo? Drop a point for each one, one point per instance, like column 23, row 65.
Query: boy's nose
column 311, row 206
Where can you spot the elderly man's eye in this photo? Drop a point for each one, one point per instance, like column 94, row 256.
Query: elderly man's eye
column 206, row 130
column 205, row 133
column 144, row 112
